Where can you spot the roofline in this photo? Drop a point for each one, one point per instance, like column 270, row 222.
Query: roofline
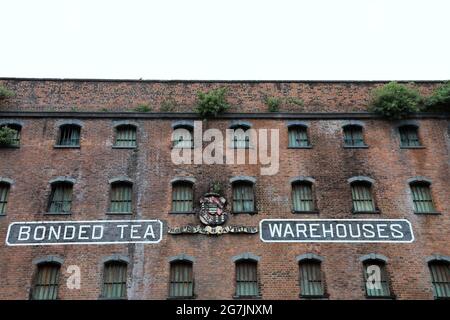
column 212, row 81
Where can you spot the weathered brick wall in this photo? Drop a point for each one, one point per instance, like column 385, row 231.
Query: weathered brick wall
column 36, row 162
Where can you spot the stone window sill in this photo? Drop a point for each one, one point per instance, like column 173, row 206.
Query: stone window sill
column 181, row 212
column 245, row 212
column 305, row 212
column 432, row 213
column 9, row 147
column 247, row 297
column 367, row 212
column 118, row 213
column 412, row 147
column 58, row 146
column 182, row 298
column 392, row 297
column 322, row 296
column 356, row 147
column 124, row 147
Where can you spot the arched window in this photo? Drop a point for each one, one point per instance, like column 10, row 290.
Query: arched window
column 183, row 137
column 298, row 137
column 4, row 191
column 181, row 279
column 243, row 197
column 376, row 279
column 362, row 198
column 353, row 136
column 421, row 195
column 121, row 197
column 46, row 281
column 69, row 135
column 247, row 278
column 440, row 278
column 115, row 280
column 241, row 137
column 182, row 196
column 409, row 136
column 125, row 136
column 60, row 198
column 311, row 283
column 10, row 135
column 302, row 196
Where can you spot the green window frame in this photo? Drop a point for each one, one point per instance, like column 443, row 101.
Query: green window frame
column 4, row 191
column 60, row 198
column 16, row 136
column 183, row 137
column 121, row 197
column 409, row 136
column 422, row 198
column 181, row 280
column 243, row 197
column 353, row 136
column 302, row 197
column 440, row 278
column 384, row 290
column 125, row 136
column 114, row 280
column 247, row 278
column 362, row 198
column 298, row 137
column 182, row 196
column 69, row 135
column 46, row 282
column 311, row 282
column 241, row 139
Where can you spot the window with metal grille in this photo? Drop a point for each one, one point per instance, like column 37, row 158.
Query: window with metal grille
column 46, row 282
column 246, row 279
column 421, row 194
column 409, row 136
column 440, row 278
column 121, row 194
column 4, row 190
column 241, row 138
column 183, row 137
column 375, row 288
column 15, row 138
column 302, row 197
column 353, row 136
column 243, row 197
column 298, row 137
column 182, row 196
column 69, row 135
column 125, row 136
column 115, row 280
column 181, row 280
column 311, row 283
column 362, row 197
column 60, row 198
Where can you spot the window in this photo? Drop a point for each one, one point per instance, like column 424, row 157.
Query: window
column 15, row 138
column 362, row 197
column 121, row 197
column 246, row 279
column 298, row 137
column 440, row 278
column 125, row 136
column 69, row 135
column 181, row 280
column 4, row 190
column 421, row 194
column 353, row 136
column 311, row 278
column 302, row 197
column 243, row 197
column 409, row 136
column 60, row 198
column 46, row 282
column 379, row 286
column 182, row 197
column 241, row 138
column 183, row 137
column 115, row 280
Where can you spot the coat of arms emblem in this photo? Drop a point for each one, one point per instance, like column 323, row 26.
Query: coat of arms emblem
column 212, row 209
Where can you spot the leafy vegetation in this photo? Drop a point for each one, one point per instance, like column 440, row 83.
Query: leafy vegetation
column 6, row 136
column 143, row 108
column 440, row 99
column 212, row 103
column 5, row 93
column 274, row 103
column 168, row 105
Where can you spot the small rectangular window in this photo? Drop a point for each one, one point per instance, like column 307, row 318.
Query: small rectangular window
column 353, row 136
column 69, row 135
column 46, row 282
column 115, row 280
column 4, row 190
column 241, row 138
column 121, row 198
column 298, row 137
column 423, row 202
column 183, row 138
column 60, row 198
column 376, row 285
column 302, row 197
column 246, row 279
column 440, row 277
column 182, row 197
column 181, row 280
column 243, row 197
column 311, row 279
column 409, row 136
column 362, row 197
column 125, row 136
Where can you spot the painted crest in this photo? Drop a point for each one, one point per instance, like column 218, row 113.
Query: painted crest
column 212, row 209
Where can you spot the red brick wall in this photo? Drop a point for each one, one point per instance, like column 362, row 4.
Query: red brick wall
column 36, row 162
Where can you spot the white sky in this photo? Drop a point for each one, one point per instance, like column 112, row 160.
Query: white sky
column 226, row 39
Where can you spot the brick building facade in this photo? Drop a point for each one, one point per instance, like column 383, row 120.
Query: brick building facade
column 98, row 107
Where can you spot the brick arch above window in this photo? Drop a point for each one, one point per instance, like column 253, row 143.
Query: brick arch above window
column 309, row 256
column 115, row 258
column 183, row 179
column 63, row 179
column 243, row 179
column 182, row 124
column 49, row 259
column 246, row 256
column 7, row 180
column 182, row 257
column 374, row 256
column 125, row 123
column 407, row 123
column 300, row 179
column 297, row 123
column 419, row 179
column 123, row 179
column 240, row 124
column 11, row 122
column 353, row 123
column 361, row 179
column 69, row 122
column 437, row 257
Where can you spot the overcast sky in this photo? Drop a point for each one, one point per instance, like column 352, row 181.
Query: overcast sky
column 226, row 39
